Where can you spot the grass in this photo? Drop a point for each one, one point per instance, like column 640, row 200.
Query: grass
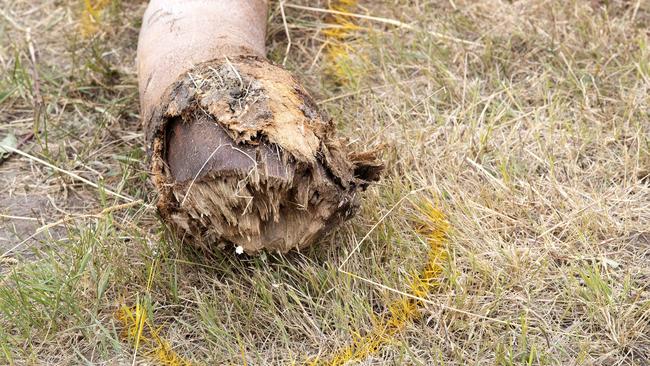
column 533, row 141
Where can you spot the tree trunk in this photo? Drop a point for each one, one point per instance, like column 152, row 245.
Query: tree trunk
column 239, row 152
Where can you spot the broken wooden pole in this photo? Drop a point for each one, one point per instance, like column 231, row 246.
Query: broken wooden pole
column 240, row 154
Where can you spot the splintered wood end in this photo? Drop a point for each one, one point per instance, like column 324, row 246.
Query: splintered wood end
column 241, row 155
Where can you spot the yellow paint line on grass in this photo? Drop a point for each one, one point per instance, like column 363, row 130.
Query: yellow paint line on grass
column 90, row 16
column 140, row 330
column 402, row 312
column 145, row 336
column 338, row 35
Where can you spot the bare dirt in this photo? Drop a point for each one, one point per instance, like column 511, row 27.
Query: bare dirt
column 26, row 206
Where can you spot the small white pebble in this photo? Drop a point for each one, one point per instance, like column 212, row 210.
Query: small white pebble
column 239, row 249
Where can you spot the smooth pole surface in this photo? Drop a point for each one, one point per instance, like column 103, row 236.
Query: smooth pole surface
column 178, row 34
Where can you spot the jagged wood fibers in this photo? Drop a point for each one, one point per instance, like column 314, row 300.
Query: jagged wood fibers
column 241, row 155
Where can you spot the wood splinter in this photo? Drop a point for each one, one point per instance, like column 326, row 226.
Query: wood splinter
column 239, row 152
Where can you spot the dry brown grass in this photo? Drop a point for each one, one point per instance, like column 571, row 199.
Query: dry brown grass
column 533, row 140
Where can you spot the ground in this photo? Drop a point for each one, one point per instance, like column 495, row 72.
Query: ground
column 516, row 136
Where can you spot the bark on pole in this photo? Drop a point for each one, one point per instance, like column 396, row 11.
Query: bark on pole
column 239, row 152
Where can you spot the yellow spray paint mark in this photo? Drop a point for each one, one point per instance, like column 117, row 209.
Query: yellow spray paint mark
column 139, row 330
column 91, row 16
column 338, row 63
column 404, row 311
